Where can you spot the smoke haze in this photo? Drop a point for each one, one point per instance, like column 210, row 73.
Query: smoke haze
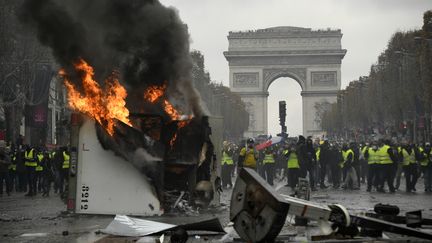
column 145, row 40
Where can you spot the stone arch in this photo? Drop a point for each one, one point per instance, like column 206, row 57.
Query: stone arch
column 270, row 75
column 311, row 57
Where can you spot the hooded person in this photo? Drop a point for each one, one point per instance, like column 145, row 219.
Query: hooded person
column 307, row 159
column 248, row 155
column 324, row 161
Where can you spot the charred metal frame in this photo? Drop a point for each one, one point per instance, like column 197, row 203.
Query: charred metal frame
column 259, row 213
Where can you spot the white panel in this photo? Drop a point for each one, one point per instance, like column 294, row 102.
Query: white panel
column 107, row 184
column 217, row 128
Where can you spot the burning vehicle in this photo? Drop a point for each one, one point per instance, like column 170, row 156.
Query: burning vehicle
column 126, row 66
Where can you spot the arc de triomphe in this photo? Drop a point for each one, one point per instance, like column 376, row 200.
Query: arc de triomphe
column 311, row 57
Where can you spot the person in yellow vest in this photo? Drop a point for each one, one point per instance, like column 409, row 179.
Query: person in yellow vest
column 248, row 155
column 317, row 170
column 349, row 173
column 269, row 164
column 387, row 166
column 64, row 173
column 397, row 149
column 39, row 170
column 372, row 157
column 293, row 166
column 227, row 163
column 31, row 164
column 363, row 165
column 426, row 166
column 409, row 166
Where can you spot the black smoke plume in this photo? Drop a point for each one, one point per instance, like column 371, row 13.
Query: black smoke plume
column 145, row 40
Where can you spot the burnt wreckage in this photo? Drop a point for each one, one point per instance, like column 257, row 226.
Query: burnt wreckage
column 259, row 213
column 173, row 157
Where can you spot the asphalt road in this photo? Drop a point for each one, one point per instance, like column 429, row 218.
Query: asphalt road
column 40, row 219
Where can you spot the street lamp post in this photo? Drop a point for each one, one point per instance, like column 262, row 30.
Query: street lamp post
column 401, row 75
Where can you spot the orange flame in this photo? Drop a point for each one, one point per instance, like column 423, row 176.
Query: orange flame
column 171, row 111
column 103, row 105
column 173, row 139
column 153, row 94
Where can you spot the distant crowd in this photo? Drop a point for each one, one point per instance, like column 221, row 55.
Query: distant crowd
column 33, row 170
column 379, row 165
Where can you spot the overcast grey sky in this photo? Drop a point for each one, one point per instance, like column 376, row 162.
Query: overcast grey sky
column 367, row 26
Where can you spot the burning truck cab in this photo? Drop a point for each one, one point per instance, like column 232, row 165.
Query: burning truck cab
column 140, row 162
column 140, row 170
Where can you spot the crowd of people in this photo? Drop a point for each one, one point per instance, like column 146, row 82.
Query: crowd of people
column 33, row 170
column 378, row 165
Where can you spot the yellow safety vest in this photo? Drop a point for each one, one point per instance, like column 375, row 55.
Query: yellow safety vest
column 363, row 150
column 384, row 156
column 374, row 157
column 317, row 153
column 425, row 161
column 29, row 159
column 293, row 161
column 345, row 157
column 249, row 157
column 40, row 158
column 226, row 159
column 408, row 158
column 51, row 155
column 66, row 158
column 268, row 159
column 13, row 165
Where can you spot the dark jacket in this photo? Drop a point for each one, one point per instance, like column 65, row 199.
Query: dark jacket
column 4, row 161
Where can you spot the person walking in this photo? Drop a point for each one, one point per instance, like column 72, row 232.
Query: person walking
column 31, row 164
column 426, row 167
column 397, row 149
column 227, row 165
column 324, row 161
column 4, row 168
column 336, row 157
column 64, row 173
column 307, row 158
column 47, row 174
column 293, row 166
column 373, row 160
column 12, row 171
column 409, row 166
column 347, row 165
column 39, row 170
column 388, row 164
column 21, row 169
column 363, row 163
column 269, row 164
